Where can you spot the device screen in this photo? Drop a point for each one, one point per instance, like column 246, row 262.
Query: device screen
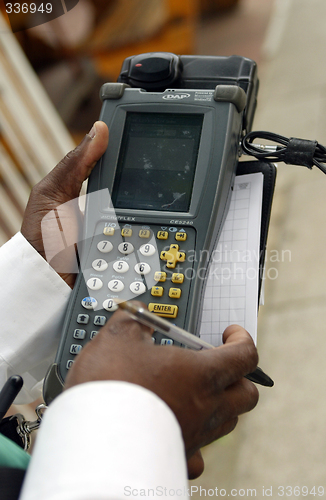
column 157, row 161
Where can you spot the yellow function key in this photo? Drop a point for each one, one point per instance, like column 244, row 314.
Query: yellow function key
column 175, row 293
column 108, row 231
column 162, row 235
column 160, row 276
column 144, row 233
column 177, row 278
column 157, row 291
column 164, row 310
column 126, row 231
column 181, row 236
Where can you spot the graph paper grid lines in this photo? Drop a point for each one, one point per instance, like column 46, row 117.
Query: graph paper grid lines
column 231, row 294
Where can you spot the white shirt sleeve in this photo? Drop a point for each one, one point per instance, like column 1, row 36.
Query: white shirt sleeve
column 107, row 441
column 33, row 300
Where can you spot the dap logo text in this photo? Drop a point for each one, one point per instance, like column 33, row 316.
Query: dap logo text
column 176, row 97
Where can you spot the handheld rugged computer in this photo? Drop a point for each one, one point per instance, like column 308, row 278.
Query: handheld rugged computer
column 175, row 128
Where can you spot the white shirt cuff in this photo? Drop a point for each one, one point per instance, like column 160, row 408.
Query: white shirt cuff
column 107, row 440
column 35, row 299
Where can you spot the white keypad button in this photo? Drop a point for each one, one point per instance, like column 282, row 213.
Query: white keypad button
column 105, row 246
column 137, row 287
column 89, row 303
column 99, row 265
column 99, row 320
column 126, row 248
column 116, row 286
column 82, row 319
column 142, row 268
column 75, row 348
column 147, row 249
column 166, row 342
column 79, row 334
column 94, row 283
column 110, row 305
column 120, row 266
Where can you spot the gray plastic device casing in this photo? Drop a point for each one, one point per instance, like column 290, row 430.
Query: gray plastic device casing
column 214, row 176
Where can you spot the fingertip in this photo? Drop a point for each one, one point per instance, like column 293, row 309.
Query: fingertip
column 195, row 465
column 90, row 150
column 234, row 333
column 243, row 344
column 99, row 130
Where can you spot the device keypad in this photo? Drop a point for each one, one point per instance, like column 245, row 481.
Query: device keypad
column 149, row 262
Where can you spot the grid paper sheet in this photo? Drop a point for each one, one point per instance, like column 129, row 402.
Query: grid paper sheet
column 231, row 294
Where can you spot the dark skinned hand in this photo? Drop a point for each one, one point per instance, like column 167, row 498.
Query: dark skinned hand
column 60, row 186
column 205, row 389
column 210, row 393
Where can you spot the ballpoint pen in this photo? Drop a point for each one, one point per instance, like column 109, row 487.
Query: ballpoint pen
column 147, row 318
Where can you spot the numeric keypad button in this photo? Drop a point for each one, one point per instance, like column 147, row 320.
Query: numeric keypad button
column 94, row 284
column 105, row 246
column 99, row 264
column 126, row 248
column 142, row 268
column 137, row 287
column 147, row 249
column 110, row 305
column 116, row 286
column 121, row 266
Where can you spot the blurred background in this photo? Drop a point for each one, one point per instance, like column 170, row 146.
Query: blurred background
column 50, row 76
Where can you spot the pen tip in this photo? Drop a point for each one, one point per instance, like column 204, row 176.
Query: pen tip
column 124, row 305
column 120, row 303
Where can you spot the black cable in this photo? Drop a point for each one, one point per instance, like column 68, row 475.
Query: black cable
column 292, row 151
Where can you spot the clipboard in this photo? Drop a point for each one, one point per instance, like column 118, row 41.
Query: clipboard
column 269, row 172
column 235, row 277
